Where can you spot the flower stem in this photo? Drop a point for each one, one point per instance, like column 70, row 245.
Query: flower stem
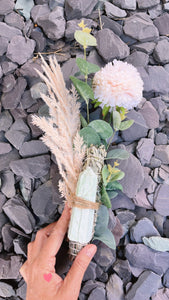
column 87, row 111
column 111, row 139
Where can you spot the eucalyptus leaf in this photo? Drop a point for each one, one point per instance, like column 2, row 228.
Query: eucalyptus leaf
column 24, row 7
column 105, row 174
column 112, row 194
column 157, row 243
column 116, row 120
column 103, row 128
column 117, row 154
column 83, row 121
column 126, row 124
column 115, row 185
column 86, row 67
column 85, row 39
column 105, row 111
column 107, row 238
column 83, row 89
column 117, row 176
column 90, row 136
column 102, row 220
column 105, row 198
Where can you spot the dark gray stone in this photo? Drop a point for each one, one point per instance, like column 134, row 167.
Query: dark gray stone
column 5, row 148
column 166, row 279
column 112, row 11
column 11, row 99
column 162, row 152
column 3, row 44
column 144, row 227
column 5, row 159
column 53, row 24
column 8, row 182
column 104, row 256
column 143, row 4
column 38, row 11
column 90, row 273
column 42, row 202
column 15, row 20
column 114, row 288
column 37, row 89
column 97, row 293
column 155, row 11
column 33, row 148
column 3, row 221
column 5, row 120
column 8, row 31
column 112, row 25
column 150, row 115
column 145, row 47
column 138, row 59
column 8, row 83
column 40, row 40
column 146, row 285
column 20, row 245
column 122, row 201
column 155, row 78
column 144, row 31
column 69, row 68
column 115, row 47
column 29, row 69
column 90, row 285
column 161, row 52
column 26, row 188
column 55, row 3
column 162, row 23
column 6, row 7
column 26, row 100
column 19, row 214
column 141, row 256
column 18, row 133
column 122, row 268
column 161, row 139
column 10, row 266
column 160, row 106
column 76, row 9
column 138, row 130
column 141, row 199
column 34, row 167
column 8, row 67
column 21, row 291
column 35, row 130
column 126, row 218
column 7, row 236
column 126, row 4
column 26, row 48
column 72, row 26
column 144, row 150
column 6, row 290
column 161, row 200
column 166, row 228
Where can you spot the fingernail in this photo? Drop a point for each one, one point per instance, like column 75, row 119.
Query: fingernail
column 90, row 250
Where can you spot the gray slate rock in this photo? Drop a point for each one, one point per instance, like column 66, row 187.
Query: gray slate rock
column 8, row 67
column 143, row 4
column 115, row 47
column 19, row 214
column 90, row 273
column 26, row 100
column 114, row 288
column 160, row 106
column 15, row 20
column 38, row 11
column 104, row 256
column 143, row 257
column 126, row 4
column 20, row 245
column 161, row 139
column 161, row 52
column 3, row 44
column 34, row 167
column 145, row 47
column 6, row 290
column 11, row 99
column 144, row 31
column 112, row 11
column 3, row 221
column 26, row 48
column 33, row 148
column 166, row 279
column 112, row 25
column 138, row 59
column 40, row 40
column 53, row 24
column 144, row 227
column 76, row 9
column 161, row 199
column 155, row 78
column 122, row 268
column 162, row 152
column 5, row 148
column 8, row 182
column 5, row 159
column 37, row 89
column 8, row 31
column 127, row 219
column 98, row 293
column 10, row 266
column 144, row 150
column 90, row 285
column 162, row 23
column 18, row 133
column 8, row 236
column 21, row 291
column 146, row 285
column 6, row 7
column 155, row 11
column 122, row 201
column 8, row 83
column 150, row 115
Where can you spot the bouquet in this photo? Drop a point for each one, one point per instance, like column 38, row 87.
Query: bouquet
column 81, row 146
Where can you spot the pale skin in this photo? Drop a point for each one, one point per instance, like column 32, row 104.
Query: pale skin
column 39, row 270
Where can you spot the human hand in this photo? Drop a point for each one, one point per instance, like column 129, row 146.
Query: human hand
column 39, row 269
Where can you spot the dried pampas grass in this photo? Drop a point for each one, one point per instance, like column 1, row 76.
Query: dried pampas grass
column 61, row 129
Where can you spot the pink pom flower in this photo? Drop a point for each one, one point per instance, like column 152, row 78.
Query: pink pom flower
column 118, row 84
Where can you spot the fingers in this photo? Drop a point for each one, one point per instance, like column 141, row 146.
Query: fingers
column 56, row 237
column 73, row 280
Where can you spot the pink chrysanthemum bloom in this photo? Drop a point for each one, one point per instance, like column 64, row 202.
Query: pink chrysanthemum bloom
column 118, row 84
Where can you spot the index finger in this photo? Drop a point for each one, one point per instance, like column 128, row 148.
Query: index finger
column 56, row 237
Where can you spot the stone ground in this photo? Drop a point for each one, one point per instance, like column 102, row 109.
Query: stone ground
column 135, row 31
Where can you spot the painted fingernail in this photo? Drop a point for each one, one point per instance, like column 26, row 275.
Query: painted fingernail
column 90, row 250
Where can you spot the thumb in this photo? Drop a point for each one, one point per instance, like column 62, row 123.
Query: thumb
column 74, row 278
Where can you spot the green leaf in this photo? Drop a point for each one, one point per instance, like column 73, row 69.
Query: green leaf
column 83, row 89
column 116, row 120
column 105, row 174
column 157, row 243
column 90, row 136
column 86, row 67
column 126, row 124
column 103, row 128
column 83, row 121
column 107, row 238
column 97, row 104
column 105, row 111
column 117, row 176
column 24, row 7
column 85, row 39
column 105, row 198
column 115, row 185
column 112, row 194
column 117, row 154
